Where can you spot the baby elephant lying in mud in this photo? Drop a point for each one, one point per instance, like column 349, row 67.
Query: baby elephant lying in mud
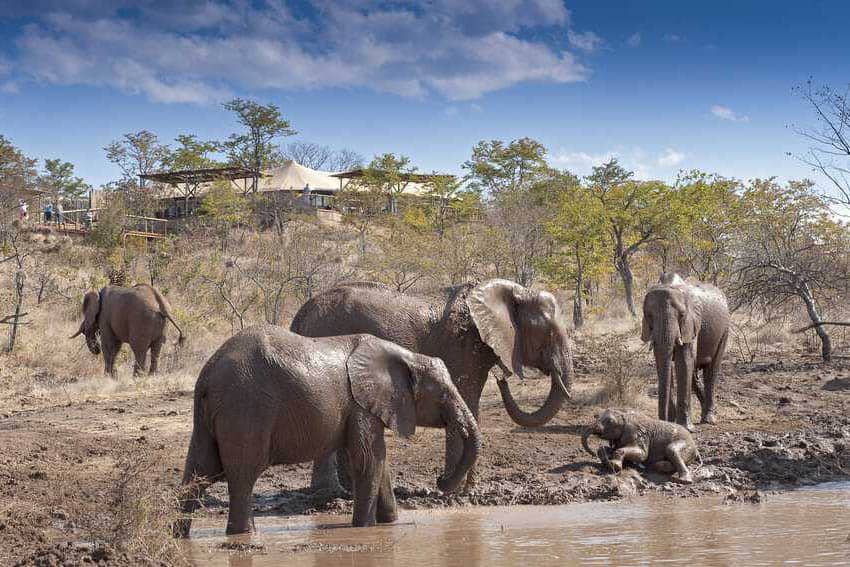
column 661, row 445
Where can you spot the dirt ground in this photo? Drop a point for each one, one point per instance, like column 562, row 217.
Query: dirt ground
column 783, row 421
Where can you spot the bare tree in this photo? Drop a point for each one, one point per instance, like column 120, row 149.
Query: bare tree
column 790, row 247
column 829, row 152
column 316, row 156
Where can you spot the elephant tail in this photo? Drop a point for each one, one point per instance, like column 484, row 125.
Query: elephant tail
column 203, row 465
column 165, row 309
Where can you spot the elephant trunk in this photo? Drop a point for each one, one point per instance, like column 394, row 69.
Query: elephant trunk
column 585, row 439
column 664, row 367
column 466, row 427
column 559, row 393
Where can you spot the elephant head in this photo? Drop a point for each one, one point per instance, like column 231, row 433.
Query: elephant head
column 89, row 326
column 609, row 426
column 669, row 321
column 523, row 328
column 402, row 388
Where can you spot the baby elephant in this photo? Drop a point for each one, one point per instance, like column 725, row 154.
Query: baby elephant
column 664, row 446
column 269, row 397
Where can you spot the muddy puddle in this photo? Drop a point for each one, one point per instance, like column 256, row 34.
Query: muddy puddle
column 808, row 527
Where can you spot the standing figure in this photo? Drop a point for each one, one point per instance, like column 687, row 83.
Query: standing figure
column 688, row 325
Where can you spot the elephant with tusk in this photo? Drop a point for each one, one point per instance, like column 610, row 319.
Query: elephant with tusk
column 136, row 315
column 663, row 446
column 472, row 328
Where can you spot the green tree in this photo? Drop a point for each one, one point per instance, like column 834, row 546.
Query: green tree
column 638, row 213
column 17, row 171
column 708, row 211
column 192, row 153
column 579, row 229
column 59, row 179
column 138, row 153
column 790, row 247
column 255, row 148
column 496, row 168
column 225, row 208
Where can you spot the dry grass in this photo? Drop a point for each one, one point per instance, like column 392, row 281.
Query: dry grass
column 130, row 515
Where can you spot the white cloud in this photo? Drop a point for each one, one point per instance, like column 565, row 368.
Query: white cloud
column 672, row 38
column 585, row 41
column 202, row 51
column 726, row 113
column 9, row 87
column 475, row 107
column 670, row 158
column 451, row 111
column 635, row 159
column 634, row 40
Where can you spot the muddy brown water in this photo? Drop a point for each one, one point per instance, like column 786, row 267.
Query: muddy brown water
column 805, row 527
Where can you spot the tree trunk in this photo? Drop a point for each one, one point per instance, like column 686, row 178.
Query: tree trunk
column 578, row 314
column 625, row 271
column 814, row 315
column 19, row 301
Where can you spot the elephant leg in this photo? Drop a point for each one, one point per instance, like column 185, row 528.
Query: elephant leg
column 623, row 454
column 663, row 466
column 325, row 475
column 141, row 355
column 664, row 386
column 240, row 518
column 710, row 377
column 156, row 349
column 367, row 451
column 110, row 353
column 202, row 469
column 387, row 511
column 674, row 451
column 695, row 385
column 684, row 375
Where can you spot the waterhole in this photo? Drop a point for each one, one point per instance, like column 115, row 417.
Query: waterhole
column 805, row 527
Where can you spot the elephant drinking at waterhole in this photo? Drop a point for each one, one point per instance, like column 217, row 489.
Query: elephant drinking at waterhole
column 663, row 446
column 269, row 397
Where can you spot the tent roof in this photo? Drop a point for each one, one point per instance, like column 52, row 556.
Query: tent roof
column 292, row 176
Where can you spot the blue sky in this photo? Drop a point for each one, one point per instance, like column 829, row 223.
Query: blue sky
column 661, row 85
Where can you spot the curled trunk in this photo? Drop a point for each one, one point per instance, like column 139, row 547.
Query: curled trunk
column 467, row 429
column 558, row 394
column 585, row 441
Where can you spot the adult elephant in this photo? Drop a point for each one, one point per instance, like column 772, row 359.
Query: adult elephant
column 471, row 327
column 269, row 396
column 118, row 315
column 688, row 326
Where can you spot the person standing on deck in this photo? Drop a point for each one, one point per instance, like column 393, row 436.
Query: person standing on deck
column 60, row 219
column 48, row 212
column 23, row 215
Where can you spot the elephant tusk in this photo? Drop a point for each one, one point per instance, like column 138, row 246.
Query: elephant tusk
column 77, row 334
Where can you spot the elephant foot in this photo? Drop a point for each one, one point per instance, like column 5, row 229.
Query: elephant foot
column 710, row 418
column 687, row 424
column 386, row 517
column 682, row 478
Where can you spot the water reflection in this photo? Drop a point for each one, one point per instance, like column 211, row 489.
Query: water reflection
column 809, row 527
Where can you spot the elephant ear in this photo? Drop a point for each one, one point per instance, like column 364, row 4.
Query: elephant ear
column 493, row 309
column 91, row 309
column 383, row 383
column 688, row 325
column 645, row 330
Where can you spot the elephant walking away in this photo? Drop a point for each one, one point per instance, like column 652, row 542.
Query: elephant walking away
column 688, row 327
column 665, row 447
column 134, row 315
column 472, row 328
column 269, row 397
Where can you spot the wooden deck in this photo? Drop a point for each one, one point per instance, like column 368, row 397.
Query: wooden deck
column 135, row 226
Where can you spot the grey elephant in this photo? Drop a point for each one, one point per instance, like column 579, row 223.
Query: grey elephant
column 471, row 327
column 136, row 315
column 663, row 446
column 688, row 326
column 269, row 396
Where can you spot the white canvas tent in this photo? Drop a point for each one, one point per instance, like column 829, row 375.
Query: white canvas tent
column 292, row 176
